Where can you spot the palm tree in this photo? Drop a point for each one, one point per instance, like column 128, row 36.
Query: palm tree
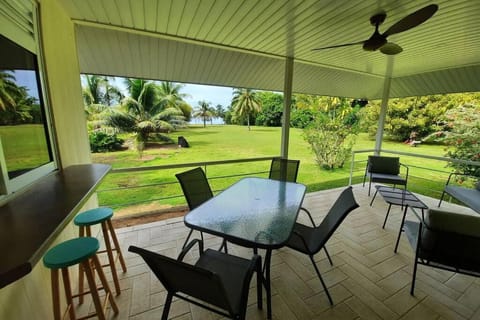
column 203, row 111
column 8, row 90
column 245, row 102
column 113, row 95
column 171, row 96
column 143, row 112
column 220, row 111
column 93, row 92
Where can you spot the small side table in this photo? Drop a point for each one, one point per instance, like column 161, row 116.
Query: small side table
column 399, row 197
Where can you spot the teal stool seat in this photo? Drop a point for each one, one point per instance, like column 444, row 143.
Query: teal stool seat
column 94, row 216
column 102, row 216
column 70, row 252
column 82, row 252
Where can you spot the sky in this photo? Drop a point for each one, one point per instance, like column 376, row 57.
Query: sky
column 212, row 94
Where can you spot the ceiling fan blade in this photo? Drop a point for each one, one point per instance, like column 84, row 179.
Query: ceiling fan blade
column 339, row 46
column 412, row 20
column 390, row 48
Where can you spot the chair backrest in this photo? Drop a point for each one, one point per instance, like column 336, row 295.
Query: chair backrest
column 177, row 276
column 284, row 169
column 344, row 204
column 385, row 165
column 195, row 187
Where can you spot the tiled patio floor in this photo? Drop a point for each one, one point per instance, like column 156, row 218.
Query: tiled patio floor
column 367, row 281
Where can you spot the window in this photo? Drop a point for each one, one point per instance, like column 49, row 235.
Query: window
column 25, row 142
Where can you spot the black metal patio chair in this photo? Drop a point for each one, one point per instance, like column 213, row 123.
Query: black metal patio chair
column 383, row 169
column 217, row 281
column 196, row 190
column 310, row 240
column 287, row 170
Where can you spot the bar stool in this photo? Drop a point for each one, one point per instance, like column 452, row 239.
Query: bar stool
column 103, row 216
column 80, row 251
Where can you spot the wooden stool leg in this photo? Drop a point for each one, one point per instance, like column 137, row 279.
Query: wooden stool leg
column 93, row 289
column 68, row 293
column 111, row 260
column 104, row 282
column 117, row 245
column 55, row 295
column 80, row 272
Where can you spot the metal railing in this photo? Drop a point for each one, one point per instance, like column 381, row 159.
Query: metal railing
column 420, row 177
column 171, row 182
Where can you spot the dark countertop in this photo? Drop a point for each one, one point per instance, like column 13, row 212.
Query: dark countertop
column 32, row 220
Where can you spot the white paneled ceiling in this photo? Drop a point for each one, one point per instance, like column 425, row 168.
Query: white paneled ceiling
column 243, row 43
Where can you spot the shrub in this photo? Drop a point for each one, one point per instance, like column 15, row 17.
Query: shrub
column 103, row 142
column 331, row 141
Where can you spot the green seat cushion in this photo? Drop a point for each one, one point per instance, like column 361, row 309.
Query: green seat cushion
column 94, row 216
column 70, row 252
column 453, row 222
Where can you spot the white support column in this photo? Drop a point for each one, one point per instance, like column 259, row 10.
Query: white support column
column 287, row 101
column 383, row 108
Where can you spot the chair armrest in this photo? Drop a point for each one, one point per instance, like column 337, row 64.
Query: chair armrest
column 190, row 246
column 309, row 215
column 406, row 168
column 455, row 174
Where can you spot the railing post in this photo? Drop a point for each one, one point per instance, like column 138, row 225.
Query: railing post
column 351, row 168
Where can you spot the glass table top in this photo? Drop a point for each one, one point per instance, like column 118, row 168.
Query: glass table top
column 253, row 212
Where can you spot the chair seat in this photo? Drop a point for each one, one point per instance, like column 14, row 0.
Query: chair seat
column 93, row 216
column 232, row 271
column 295, row 241
column 387, row 178
column 70, row 252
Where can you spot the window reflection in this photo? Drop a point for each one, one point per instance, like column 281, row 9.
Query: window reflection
column 23, row 129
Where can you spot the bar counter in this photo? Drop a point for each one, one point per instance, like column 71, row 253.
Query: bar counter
column 31, row 221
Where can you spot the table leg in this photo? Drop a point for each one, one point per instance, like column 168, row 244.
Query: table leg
column 373, row 199
column 401, row 228
column 386, row 217
column 268, row 289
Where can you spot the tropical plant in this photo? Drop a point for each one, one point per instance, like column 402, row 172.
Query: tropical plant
column 332, row 134
column 204, row 112
column 272, row 109
column 102, row 142
column 462, row 137
column 171, row 97
column 220, row 112
column 245, row 103
column 144, row 113
column 8, row 90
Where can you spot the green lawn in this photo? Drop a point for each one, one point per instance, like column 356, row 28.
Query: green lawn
column 24, row 146
column 236, row 142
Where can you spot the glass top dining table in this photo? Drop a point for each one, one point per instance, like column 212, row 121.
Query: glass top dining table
column 254, row 212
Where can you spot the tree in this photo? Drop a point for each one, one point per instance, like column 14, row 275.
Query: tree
column 332, row 134
column 245, row 103
column 171, row 97
column 8, row 90
column 220, row 112
column 93, row 92
column 203, row 111
column 143, row 112
column 461, row 134
column 272, row 109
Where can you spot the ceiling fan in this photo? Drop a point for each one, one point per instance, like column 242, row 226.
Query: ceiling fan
column 379, row 40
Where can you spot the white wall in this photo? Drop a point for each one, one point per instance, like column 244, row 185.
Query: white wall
column 30, row 297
